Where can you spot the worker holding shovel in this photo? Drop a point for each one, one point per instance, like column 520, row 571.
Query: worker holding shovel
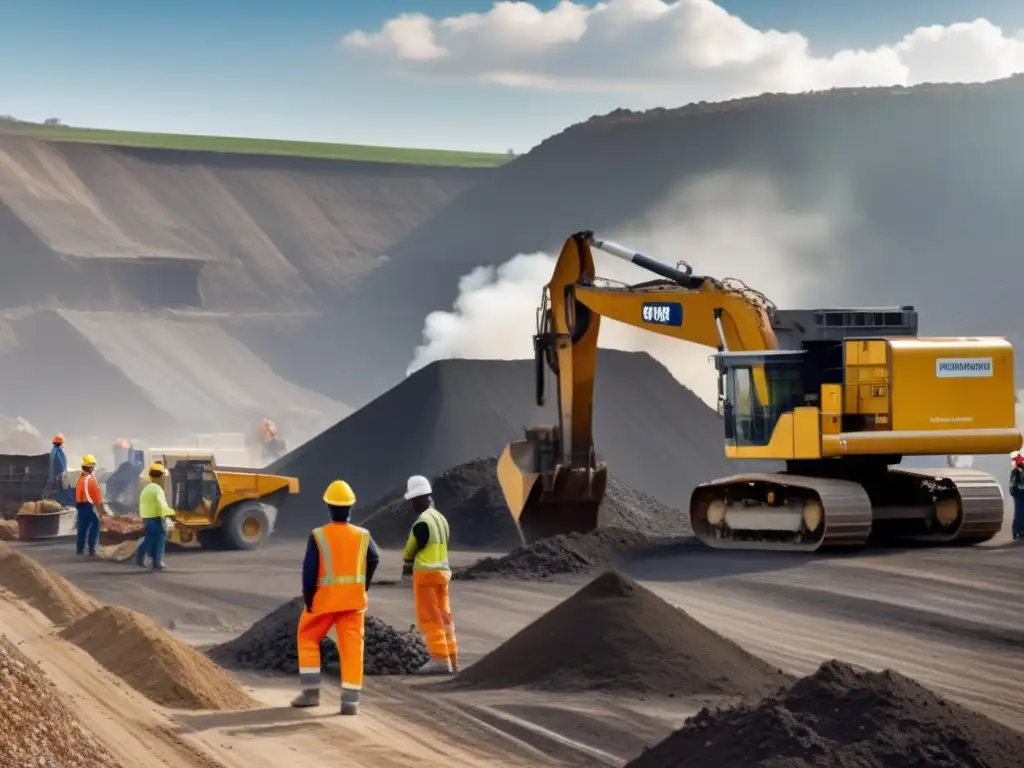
column 156, row 517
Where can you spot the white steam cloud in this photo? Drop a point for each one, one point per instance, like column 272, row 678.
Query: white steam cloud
column 724, row 225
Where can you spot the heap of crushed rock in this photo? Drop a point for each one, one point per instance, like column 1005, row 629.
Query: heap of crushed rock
column 615, row 635
column 49, row 593
column 270, row 645
column 38, row 728
column 574, row 553
column 471, row 500
column 470, row 497
column 841, row 717
column 156, row 664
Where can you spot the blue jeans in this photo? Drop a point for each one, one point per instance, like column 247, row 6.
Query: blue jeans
column 88, row 527
column 1018, row 515
column 153, row 543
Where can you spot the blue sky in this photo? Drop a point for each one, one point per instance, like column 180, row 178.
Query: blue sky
column 275, row 69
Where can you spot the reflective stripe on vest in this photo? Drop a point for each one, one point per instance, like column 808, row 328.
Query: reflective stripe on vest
column 331, row 577
column 434, row 556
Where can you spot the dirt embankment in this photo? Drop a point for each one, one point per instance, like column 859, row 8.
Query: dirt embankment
column 39, row 729
column 49, row 593
column 841, row 717
column 614, row 635
column 158, row 665
column 914, row 214
column 655, row 434
column 92, row 227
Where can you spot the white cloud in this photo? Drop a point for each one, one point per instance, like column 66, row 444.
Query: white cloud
column 724, row 224
column 691, row 47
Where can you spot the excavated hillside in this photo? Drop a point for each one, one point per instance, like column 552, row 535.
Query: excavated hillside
column 655, row 434
column 929, row 178
column 177, row 276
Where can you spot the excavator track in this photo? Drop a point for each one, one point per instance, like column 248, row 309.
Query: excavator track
column 799, row 513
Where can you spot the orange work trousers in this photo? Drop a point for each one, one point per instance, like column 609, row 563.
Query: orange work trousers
column 350, row 627
column 434, row 614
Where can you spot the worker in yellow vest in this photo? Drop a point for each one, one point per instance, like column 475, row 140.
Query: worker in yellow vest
column 338, row 569
column 426, row 559
column 154, row 511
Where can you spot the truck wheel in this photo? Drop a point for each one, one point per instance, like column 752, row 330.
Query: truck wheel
column 210, row 538
column 246, row 527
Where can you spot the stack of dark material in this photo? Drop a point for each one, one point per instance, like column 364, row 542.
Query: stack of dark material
column 469, row 497
column 615, row 635
column 559, row 555
column 270, row 645
column 841, row 717
column 655, row 434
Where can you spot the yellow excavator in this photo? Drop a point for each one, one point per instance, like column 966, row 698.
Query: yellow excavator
column 840, row 395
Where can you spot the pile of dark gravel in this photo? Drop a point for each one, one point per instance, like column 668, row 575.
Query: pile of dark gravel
column 469, row 496
column 270, row 645
column 841, row 717
column 615, row 635
column 574, row 553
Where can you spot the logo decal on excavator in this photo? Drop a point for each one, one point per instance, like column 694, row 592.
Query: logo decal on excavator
column 963, row 367
column 663, row 313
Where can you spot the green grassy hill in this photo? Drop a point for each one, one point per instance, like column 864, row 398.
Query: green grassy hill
column 229, row 144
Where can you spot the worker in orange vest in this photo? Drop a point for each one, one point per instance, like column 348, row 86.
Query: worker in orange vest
column 89, row 503
column 338, row 569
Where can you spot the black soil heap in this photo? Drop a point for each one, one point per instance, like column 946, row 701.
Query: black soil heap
column 270, row 645
column 614, row 635
column 841, row 717
column 654, row 433
column 471, row 499
column 575, row 553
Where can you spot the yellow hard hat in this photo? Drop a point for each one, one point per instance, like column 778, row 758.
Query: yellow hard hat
column 157, row 467
column 88, row 460
column 340, row 494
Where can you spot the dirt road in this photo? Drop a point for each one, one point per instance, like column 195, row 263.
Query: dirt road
column 950, row 618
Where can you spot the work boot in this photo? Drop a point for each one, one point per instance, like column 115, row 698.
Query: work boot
column 349, row 701
column 435, row 667
column 310, row 697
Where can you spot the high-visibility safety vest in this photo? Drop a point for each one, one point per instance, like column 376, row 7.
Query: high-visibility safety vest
column 87, row 491
column 434, row 556
column 341, row 582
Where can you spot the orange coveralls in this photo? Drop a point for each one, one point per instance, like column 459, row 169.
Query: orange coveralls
column 339, row 602
column 427, row 549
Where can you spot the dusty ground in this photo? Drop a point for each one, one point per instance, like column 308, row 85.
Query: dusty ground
column 951, row 619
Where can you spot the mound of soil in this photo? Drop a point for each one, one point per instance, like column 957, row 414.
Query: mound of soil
column 270, row 645
column 50, row 594
column 574, row 553
column 841, row 717
column 39, row 729
column 615, row 635
column 8, row 530
column 156, row 664
column 469, row 497
column 115, row 529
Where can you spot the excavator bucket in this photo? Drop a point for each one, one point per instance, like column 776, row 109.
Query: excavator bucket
column 547, row 499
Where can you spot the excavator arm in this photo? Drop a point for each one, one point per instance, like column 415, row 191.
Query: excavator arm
column 552, row 481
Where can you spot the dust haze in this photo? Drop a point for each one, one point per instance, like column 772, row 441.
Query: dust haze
column 725, row 225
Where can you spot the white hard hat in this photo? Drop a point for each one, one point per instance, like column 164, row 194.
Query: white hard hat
column 418, row 485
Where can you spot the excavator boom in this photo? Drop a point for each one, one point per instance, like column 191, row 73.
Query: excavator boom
column 840, row 395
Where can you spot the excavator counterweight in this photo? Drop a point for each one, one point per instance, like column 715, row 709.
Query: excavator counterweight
column 840, row 395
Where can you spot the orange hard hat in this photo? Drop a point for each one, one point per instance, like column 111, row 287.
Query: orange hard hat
column 58, row 439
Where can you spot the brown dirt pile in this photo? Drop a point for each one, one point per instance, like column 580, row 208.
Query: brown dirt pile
column 8, row 530
column 39, row 729
column 163, row 668
column 44, row 507
column 50, row 594
column 841, row 717
column 615, row 635
column 115, row 529
column 574, row 553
